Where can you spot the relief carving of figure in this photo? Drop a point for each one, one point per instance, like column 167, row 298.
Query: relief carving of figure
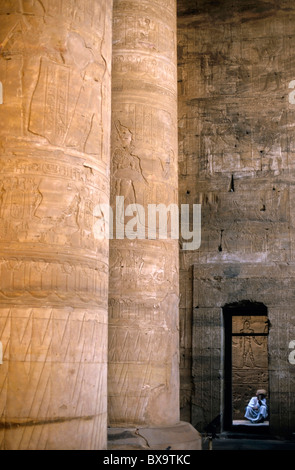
column 19, row 199
column 127, row 169
column 246, row 343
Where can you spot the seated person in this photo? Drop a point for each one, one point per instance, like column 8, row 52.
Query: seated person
column 256, row 410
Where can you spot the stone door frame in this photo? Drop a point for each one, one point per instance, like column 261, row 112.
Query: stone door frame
column 223, row 282
column 243, row 308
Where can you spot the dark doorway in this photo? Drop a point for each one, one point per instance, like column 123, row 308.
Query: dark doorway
column 246, row 358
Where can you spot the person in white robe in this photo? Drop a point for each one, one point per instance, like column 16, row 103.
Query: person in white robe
column 257, row 409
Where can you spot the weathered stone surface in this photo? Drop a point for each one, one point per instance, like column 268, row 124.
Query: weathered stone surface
column 181, row 436
column 234, row 155
column 249, row 359
column 55, row 72
column 236, row 115
column 143, row 288
column 231, row 285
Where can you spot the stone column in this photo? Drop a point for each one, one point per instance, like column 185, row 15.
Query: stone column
column 55, row 72
column 143, row 385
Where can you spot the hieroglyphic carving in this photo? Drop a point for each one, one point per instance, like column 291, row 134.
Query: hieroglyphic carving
column 269, row 51
column 150, row 125
column 161, row 277
column 126, row 310
column 58, row 281
column 250, row 360
column 54, row 167
column 89, row 14
column 59, row 213
column 144, row 32
column 126, row 169
column 147, row 67
column 143, row 276
column 19, row 199
column 143, row 153
column 10, row 39
column 55, row 62
column 236, row 119
column 73, row 120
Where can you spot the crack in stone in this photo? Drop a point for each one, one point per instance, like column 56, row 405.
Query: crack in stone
column 35, row 422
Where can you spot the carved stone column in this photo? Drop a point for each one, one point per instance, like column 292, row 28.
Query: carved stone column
column 143, row 385
column 55, row 73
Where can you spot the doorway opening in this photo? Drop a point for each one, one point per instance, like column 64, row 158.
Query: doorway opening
column 246, row 328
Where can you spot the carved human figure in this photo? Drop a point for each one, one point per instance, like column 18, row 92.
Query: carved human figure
column 127, row 171
column 246, row 342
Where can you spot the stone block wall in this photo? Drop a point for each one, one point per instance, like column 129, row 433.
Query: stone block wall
column 236, row 67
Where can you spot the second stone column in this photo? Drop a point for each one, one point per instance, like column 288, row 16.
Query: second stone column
column 143, row 306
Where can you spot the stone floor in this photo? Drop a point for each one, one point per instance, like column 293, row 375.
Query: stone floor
column 224, row 442
column 246, row 422
column 247, row 436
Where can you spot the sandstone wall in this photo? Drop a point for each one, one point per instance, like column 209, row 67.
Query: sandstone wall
column 236, row 159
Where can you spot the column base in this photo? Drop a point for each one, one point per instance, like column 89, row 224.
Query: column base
column 181, row 436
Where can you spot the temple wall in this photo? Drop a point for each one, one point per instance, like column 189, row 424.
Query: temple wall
column 236, row 158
